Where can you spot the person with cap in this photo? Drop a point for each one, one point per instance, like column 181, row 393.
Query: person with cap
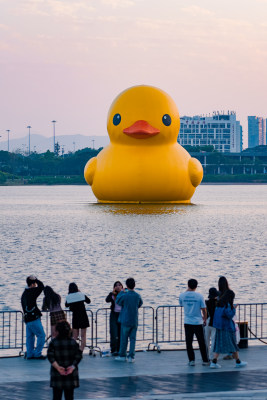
column 210, row 331
column 195, row 316
column 32, row 318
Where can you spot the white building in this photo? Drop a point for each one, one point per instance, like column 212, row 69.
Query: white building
column 222, row 131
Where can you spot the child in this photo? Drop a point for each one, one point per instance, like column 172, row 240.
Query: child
column 130, row 301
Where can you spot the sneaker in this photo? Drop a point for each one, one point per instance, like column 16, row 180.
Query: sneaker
column 115, row 354
column 206, row 363
column 241, row 364
column 192, row 363
column 39, row 358
column 215, row 365
column 120, row 358
column 131, row 360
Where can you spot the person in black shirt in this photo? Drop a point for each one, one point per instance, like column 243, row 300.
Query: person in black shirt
column 80, row 322
column 210, row 331
column 114, row 324
column 32, row 318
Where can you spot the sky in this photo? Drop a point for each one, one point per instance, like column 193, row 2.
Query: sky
column 67, row 60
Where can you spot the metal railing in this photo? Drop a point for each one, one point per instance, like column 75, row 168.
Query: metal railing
column 170, row 324
column 12, row 331
column 89, row 331
column 145, row 331
column 254, row 315
column 160, row 329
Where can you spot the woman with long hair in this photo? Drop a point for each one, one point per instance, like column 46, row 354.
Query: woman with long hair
column 80, row 322
column 225, row 338
column 114, row 325
column 51, row 302
column 64, row 355
column 223, row 285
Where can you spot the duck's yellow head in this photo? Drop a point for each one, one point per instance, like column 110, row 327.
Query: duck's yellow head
column 143, row 115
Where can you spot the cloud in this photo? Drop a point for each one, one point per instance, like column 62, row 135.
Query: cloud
column 58, row 8
column 4, row 27
column 118, row 3
column 197, row 11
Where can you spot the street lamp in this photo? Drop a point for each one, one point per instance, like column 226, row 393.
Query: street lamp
column 8, row 130
column 54, row 129
column 29, row 127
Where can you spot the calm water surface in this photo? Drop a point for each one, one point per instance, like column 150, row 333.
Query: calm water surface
column 61, row 234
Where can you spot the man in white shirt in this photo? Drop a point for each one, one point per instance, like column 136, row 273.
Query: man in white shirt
column 195, row 314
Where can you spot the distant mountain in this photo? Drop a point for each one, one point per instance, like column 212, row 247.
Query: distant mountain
column 41, row 144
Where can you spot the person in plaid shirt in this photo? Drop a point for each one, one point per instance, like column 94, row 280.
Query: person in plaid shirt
column 64, row 355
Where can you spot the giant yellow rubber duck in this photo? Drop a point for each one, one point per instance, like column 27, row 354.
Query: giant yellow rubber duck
column 143, row 162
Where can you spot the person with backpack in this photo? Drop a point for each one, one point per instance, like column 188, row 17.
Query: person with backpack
column 32, row 318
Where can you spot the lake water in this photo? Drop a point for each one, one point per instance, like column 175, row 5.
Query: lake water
column 61, row 234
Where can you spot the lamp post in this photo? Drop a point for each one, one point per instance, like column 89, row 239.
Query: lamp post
column 8, row 130
column 93, row 140
column 73, row 147
column 29, row 127
column 54, row 133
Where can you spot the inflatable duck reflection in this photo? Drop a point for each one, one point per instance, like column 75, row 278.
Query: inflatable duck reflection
column 143, row 163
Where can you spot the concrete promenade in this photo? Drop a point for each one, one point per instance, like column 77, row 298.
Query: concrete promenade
column 164, row 376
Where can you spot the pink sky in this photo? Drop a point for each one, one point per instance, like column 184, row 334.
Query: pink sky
column 67, row 60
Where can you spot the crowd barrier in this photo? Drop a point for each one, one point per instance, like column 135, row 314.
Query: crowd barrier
column 145, row 332
column 159, row 329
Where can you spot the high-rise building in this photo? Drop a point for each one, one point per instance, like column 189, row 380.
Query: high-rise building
column 222, row 131
column 262, row 131
column 256, row 131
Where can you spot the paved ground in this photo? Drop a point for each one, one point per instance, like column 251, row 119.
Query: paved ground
column 164, row 376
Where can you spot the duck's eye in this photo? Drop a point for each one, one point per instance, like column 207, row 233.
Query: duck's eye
column 166, row 119
column 116, row 119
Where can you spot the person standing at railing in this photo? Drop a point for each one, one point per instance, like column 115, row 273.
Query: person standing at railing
column 225, row 339
column 195, row 315
column 51, row 302
column 130, row 301
column 114, row 324
column 32, row 318
column 80, row 322
column 210, row 331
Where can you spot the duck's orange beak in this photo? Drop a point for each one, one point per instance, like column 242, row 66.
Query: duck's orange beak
column 141, row 130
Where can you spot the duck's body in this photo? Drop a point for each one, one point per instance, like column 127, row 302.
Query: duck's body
column 143, row 163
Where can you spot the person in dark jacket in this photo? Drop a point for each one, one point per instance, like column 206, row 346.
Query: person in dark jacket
column 114, row 325
column 80, row 322
column 64, row 355
column 210, row 331
column 32, row 318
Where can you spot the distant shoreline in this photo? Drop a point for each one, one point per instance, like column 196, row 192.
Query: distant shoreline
column 79, row 180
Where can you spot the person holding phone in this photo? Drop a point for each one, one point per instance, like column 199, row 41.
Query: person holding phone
column 32, row 318
column 114, row 324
